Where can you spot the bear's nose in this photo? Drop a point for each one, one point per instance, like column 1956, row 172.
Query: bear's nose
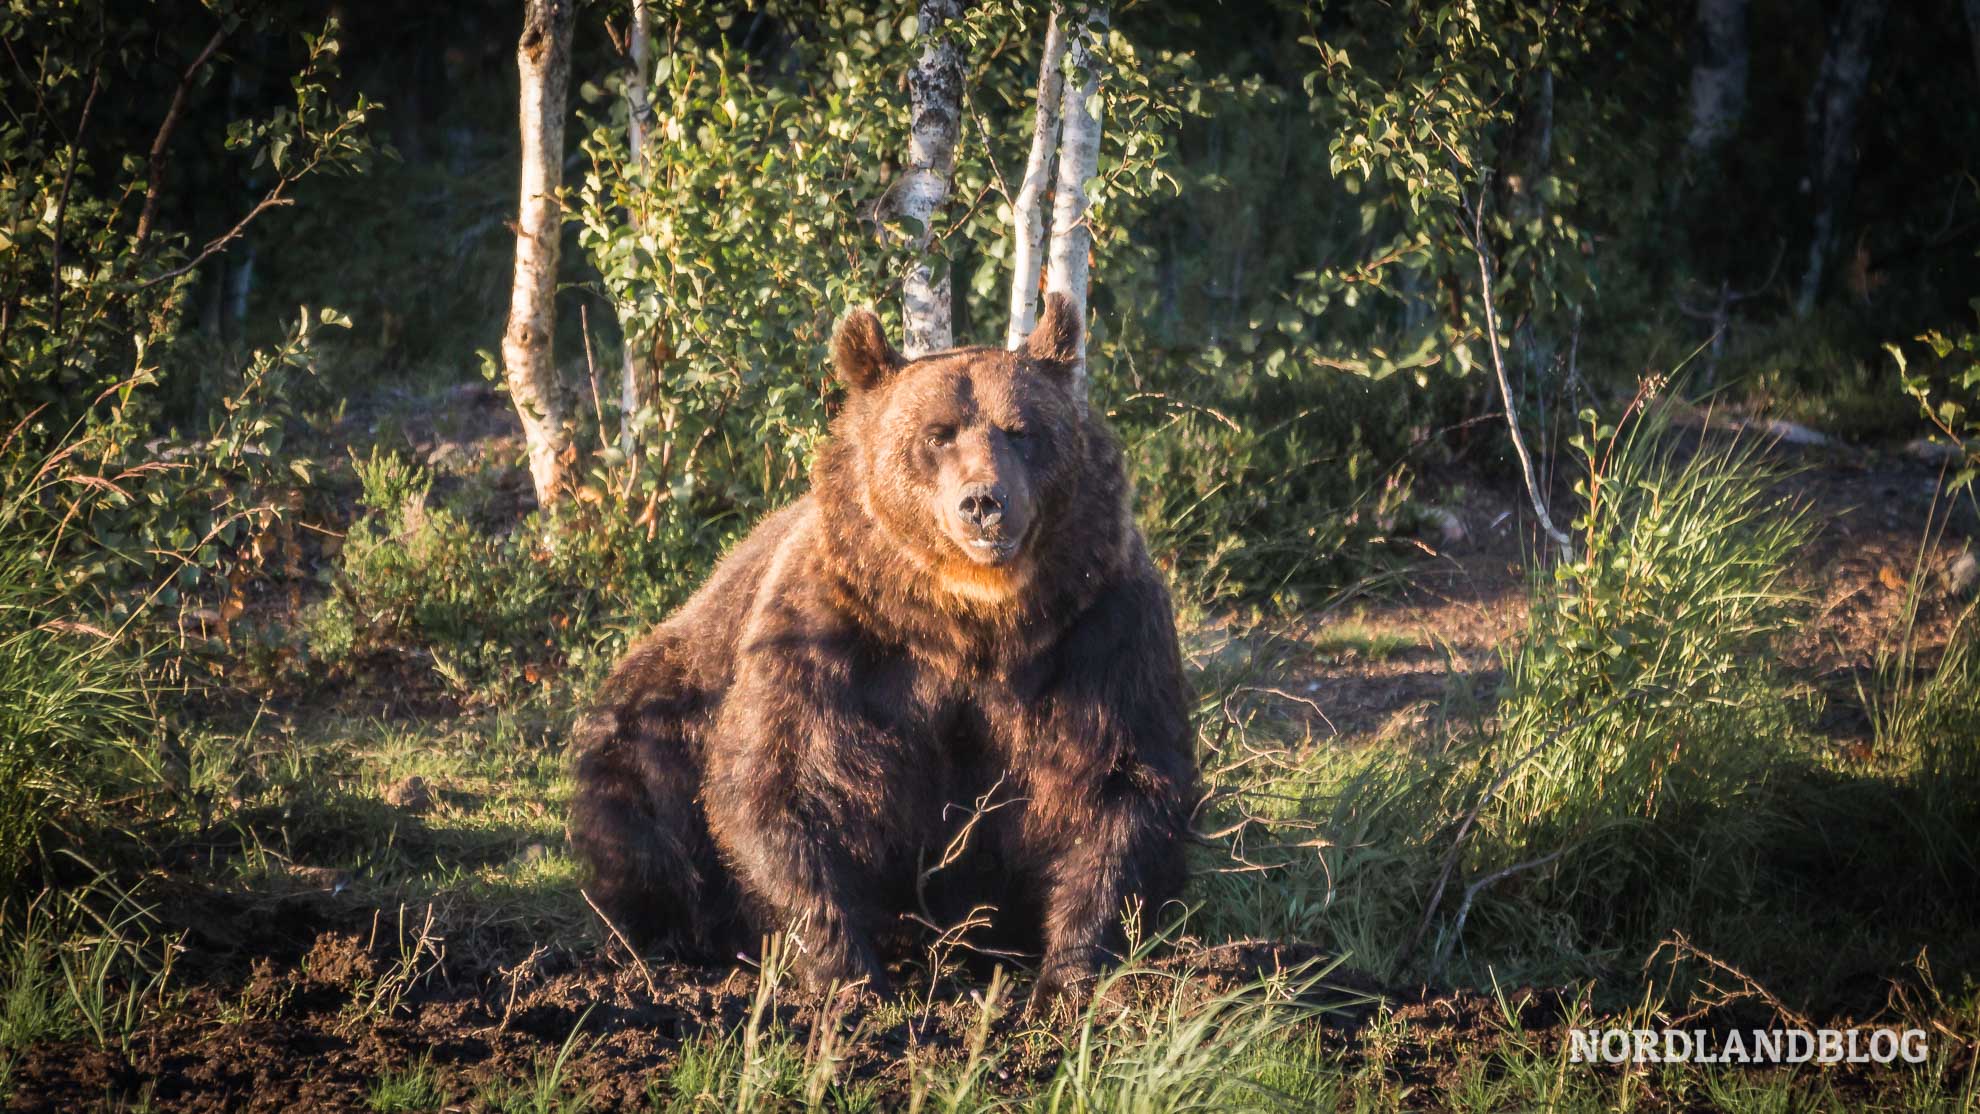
column 982, row 506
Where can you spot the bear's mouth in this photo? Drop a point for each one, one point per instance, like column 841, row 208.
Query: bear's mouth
column 993, row 551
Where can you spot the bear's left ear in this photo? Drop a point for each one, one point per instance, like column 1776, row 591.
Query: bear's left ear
column 1054, row 343
column 860, row 352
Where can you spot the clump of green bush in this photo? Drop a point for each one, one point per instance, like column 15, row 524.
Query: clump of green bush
column 476, row 607
column 488, row 612
column 1645, row 679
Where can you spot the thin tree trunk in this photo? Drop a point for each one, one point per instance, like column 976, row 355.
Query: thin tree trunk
column 1028, row 210
column 1718, row 77
column 1973, row 31
column 935, row 96
column 633, row 370
column 543, row 55
column 1832, row 110
column 1079, row 158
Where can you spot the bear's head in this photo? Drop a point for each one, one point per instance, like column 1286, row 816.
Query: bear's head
column 963, row 455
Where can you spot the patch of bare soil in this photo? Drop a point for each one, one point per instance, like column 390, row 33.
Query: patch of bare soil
column 316, row 1036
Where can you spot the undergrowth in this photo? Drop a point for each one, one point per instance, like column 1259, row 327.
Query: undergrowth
column 1644, row 767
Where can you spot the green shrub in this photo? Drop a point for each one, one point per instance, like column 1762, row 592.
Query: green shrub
column 1251, row 488
column 411, row 577
column 1645, row 680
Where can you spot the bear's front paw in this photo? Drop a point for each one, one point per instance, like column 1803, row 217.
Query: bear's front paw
column 866, row 980
column 1061, row 992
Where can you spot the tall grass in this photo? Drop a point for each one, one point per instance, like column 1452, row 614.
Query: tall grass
column 1925, row 718
column 72, row 709
column 81, row 962
column 1644, row 682
column 1626, row 778
column 1645, row 717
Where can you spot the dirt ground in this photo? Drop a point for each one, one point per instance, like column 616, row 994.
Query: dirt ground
column 293, row 1005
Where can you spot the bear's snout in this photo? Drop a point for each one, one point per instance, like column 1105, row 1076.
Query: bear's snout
column 982, row 506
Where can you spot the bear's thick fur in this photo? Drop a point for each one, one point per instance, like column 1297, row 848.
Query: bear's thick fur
column 959, row 628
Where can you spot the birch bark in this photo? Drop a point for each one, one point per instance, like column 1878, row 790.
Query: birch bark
column 1718, row 77
column 634, row 366
column 1079, row 158
column 543, row 57
column 1028, row 209
column 1832, row 110
column 935, row 98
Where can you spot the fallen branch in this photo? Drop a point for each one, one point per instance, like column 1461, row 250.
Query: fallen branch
column 1478, row 806
column 1560, row 539
column 1471, row 893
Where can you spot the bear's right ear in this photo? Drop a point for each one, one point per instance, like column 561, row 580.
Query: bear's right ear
column 1054, row 344
column 860, row 352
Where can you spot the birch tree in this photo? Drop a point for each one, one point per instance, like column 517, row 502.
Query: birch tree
column 1718, row 77
column 1832, row 110
column 633, row 365
column 543, row 57
column 935, row 98
column 1079, row 159
column 1028, row 210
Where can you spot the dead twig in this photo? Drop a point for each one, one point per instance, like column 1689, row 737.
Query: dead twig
column 1471, row 893
column 645, row 975
column 1471, row 816
column 1718, row 997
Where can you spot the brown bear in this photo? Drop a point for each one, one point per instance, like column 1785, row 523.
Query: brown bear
column 961, row 613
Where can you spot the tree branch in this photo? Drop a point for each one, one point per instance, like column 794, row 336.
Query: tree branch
column 154, row 174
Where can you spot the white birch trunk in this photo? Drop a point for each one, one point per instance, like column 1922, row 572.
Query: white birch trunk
column 1028, row 209
column 1718, row 77
column 543, row 55
column 633, row 367
column 1079, row 158
column 1832, row 109
column 935, row 97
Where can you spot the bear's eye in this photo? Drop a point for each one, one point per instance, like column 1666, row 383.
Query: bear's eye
column 1017, row 434
column 939, row 436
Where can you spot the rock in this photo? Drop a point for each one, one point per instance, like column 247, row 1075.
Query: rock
column 1445, row 526
column 447, row 455
column 410, row 794
column 1963, row 575
column 1932, row 451
column 1791, row 433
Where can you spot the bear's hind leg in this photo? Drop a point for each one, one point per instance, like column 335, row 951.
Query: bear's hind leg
column 637, row 824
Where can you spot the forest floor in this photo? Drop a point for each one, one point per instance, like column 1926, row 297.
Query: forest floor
column 414, row 944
